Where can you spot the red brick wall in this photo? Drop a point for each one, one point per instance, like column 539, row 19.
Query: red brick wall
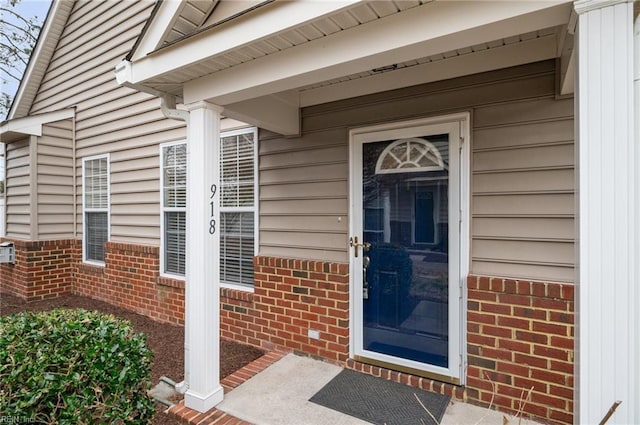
column 131, row 279
column 520, row 335
column 43, row 269
column 290, row 297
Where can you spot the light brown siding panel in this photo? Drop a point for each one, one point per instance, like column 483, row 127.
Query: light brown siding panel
column 524, row 228
column 55, row 180
column 437, row 102
column 530, row 204
column 523, row 251
column 132, row 201
column 521, row 171
column 532, row 181
column 302, row 190
column 304, row 223
column 109, row 119
column 521, row 271
column 303, row 251
column 535, row 110
column 18, row 190
column 309, row 206
column 336, row 172
column 326, row 155
column 524, row 158
column 547, row 132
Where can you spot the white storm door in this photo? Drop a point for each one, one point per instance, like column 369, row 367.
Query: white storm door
column 407, row 259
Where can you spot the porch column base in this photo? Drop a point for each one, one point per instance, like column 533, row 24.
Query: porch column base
column 203, row 403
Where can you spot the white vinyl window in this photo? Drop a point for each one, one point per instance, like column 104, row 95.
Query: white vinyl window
column 173, row 194
column 95, row 205
column 238, row 204
column 238, row 182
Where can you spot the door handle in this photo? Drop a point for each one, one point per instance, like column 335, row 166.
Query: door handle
column 354, row 243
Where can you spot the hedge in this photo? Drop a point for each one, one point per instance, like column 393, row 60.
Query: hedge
column 74, row 367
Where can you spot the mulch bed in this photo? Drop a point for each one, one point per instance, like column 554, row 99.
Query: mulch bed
column 165, row 340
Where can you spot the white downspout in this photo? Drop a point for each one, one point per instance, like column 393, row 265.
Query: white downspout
column 124, row 74
column 169, row 110
column 636, row 113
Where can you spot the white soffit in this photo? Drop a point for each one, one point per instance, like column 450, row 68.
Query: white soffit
column 424, row 31
column 308, row 55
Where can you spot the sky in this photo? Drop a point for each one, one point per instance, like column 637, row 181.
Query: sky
column 27, row 9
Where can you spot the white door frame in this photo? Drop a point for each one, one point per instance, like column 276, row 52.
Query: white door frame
column 457, row 125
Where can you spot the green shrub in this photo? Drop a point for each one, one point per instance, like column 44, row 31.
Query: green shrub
column 74, row 367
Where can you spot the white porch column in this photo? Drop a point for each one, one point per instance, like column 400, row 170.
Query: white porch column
column 202, row 292
column 608, row 213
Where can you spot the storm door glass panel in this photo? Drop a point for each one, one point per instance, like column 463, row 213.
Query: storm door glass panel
column 405, row 219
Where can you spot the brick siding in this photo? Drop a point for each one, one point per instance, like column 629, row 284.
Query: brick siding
column 43, row 269
column 290, row 297
column 131, row 279
column 520, row 334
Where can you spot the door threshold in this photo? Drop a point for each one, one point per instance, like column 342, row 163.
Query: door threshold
column 408, row 370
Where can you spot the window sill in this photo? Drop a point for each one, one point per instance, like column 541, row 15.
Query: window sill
column 91, row 268
column 171, row 281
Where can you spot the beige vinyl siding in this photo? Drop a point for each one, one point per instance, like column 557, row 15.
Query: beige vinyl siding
column 18, row 190
column 522, row 212
column 55, row 181
column 303, row 195
column 111, row 119
column 523, row 173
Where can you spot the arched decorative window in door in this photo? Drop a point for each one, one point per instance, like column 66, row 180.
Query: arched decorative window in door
column 409, row 155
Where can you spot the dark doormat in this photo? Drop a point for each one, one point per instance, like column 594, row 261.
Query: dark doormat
column 379, row 401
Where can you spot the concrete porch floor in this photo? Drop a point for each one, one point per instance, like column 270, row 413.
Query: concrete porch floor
column 275, row 390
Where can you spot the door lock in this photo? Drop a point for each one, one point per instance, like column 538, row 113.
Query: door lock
column 354, row 243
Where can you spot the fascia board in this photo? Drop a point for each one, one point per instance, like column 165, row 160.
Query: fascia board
column 32, row 125
column 38, row 62
column 418, row 32
column 280, row 17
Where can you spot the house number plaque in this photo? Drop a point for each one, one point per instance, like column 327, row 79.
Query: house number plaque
column 212, row 222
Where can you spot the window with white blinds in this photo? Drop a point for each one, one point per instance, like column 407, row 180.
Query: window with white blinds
column 237, row 206
column 238, row 159
column 174, row 201
column 95, row 203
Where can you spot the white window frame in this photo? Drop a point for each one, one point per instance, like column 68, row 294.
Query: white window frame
column 86, row 210
column 254, row 209
column 164, row 209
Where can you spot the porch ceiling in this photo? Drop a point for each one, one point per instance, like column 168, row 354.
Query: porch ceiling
column 353, row 50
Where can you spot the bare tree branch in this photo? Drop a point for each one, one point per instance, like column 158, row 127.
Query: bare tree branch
column 6, row 71
column 14, row 49
column 18, row 36
column 24, row 31
column 27, row 22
